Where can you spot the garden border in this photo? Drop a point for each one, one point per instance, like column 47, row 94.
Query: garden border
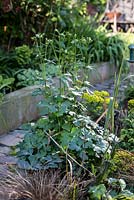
column 21, row 106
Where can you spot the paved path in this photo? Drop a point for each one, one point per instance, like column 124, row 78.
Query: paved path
column 7, row 142
column 108, row 85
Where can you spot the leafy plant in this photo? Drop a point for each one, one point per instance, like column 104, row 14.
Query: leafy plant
column 127, row 132
column 7, row 63
column 28, row 77
column 115, row 190
column 23, row 55
column 97, row 192
column 12, row 61
column 64, row 123
column 5, row 84
column 123, row 162
column 97, row 103
column 129, row 93
column 118, row 189
column 131, row 105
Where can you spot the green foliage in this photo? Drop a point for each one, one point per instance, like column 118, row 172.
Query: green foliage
column 123, row 162
column 7, row 63
column 5, row 84
column 129, row 92
column 89, row 46
column 76, row 36
column 127, row 132
column 97, row 102
column 97, row 2
column 77, row 48
column 64, row 120
column 131, row 104
column 123, row 165
column 118, row 189
column 23, row 55
column 26, row 18
column 12, row 61
column 97, row 192
column 128, row 39
column 28, row 77
column 115, row 190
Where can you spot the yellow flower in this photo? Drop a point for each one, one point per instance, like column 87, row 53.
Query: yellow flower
column 131, row 104
column 101, row 93
column 86, row 96
column 107, row 101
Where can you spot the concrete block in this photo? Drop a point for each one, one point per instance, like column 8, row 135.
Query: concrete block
column 18, row 107
column 99, row 72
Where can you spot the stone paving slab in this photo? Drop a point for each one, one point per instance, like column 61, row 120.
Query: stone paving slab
column 8, row 160
column 13, row 138
column 5, row 150
column 6, row 142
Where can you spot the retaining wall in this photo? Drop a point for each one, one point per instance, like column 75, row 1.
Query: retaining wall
column 21, row 106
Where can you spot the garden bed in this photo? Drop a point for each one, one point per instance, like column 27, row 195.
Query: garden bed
column 20, row 106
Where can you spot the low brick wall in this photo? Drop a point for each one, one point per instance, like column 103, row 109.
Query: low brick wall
column 20, row 106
